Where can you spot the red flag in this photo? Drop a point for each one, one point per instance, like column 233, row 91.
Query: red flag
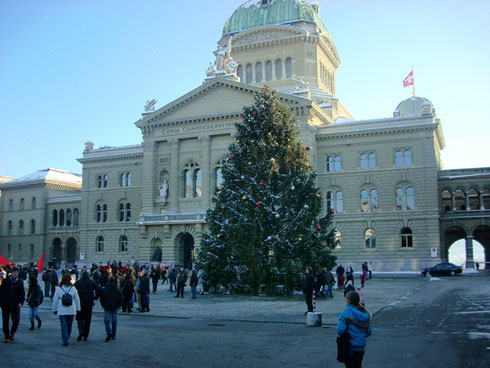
column 3, row 261
column 40, row 263
column 408, row 81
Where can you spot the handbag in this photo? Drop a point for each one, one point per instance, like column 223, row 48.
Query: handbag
column 343, row 347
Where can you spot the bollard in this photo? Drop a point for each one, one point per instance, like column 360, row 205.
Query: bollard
column 314, row 319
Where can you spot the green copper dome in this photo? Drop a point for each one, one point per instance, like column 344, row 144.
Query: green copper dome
column 256, row 13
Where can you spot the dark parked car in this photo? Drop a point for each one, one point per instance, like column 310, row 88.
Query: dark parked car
column 443, row 269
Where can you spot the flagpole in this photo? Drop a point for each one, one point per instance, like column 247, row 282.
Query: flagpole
column 413, row 84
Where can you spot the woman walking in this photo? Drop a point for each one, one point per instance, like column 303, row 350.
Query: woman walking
column 66, row 304
column 34, row 300
column 356, row 321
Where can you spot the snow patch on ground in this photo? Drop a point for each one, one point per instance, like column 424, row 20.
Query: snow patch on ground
column 478, row 335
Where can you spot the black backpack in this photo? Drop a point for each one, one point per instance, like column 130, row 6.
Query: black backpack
column 66, row 298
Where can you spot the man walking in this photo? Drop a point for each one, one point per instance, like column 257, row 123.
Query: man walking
column 308, row 289
column 181, row 280
column 111, row 299
column 172, row 279
column 88, row 291
column 12, row 296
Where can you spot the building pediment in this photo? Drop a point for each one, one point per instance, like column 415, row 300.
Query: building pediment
column 215, row 99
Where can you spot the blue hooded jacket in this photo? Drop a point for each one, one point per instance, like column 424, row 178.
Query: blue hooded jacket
column 358, row 325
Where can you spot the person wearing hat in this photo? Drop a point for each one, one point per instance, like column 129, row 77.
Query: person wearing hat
column 12, row 296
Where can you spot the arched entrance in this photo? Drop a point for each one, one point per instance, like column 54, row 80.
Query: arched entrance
column 71, row 250
column 156, row 250
column 457, row 253
column 451, row 235
column 56, row 255
column 186, row 246
column 482, row 235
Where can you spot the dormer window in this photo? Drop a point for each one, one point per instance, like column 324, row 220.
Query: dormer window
column 265, row 2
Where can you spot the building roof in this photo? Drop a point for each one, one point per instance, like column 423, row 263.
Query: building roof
column 254, row 13
column 46, row 175
column 414, row 106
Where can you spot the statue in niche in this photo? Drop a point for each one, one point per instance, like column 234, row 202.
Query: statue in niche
column 231, row 67
column 222, row 55
column 164, row 190
column 211, row 70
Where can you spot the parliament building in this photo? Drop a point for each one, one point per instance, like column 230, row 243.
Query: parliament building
column 394, row 204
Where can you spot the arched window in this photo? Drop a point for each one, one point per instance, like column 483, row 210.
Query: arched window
column 62, row 218
column 239, row 73
column 123, row 243
column 33, row 203
column 474, row 198
column 268, row 71
column 249, row 73
column 104, row 213
column 258, row 72
column 197, row 183
column 486, row 199
column 374, row 200
column 410, row 198
column 21, row 253
column 76, row 216
column 408, row 158
column 406, row 238
column 55, row 218
column 121, row 211
column 278, row 69
column 460, row 200
column 21, row 227
column 33, row 226
column 330, row 201
column 9, row 251
column 372, row 160
column 338, row 239
column 339, row 201
column 187, row 184
column 218, row 175
column 400, row 199
column 31, row 251
column 11, row 205
column 364, row 200
column 10, row 227
column 122, row 180
column 105, row 181
column 99, row 181
column 329, row 163
column 447, row 203
column 128, row 211
column 370, row 238
column 128, row 179
column 99, row 244
column 69, row 218
column 22, row 203
column 364, row 163
column 98, row 213
column 338, row 163
column 398, row 159
column 289, row 68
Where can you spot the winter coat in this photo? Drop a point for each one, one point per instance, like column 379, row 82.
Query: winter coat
column 309, row 283
column 88, row 290
column 12, row 293
column 357, row 323
column 194, row 280
column 329, row 279
column 340, row 271
column 35, row 296
column 127, row 287
column 144, row 285
column 111, row 297
column 171, row 276
column 64, row 310
column 181, row 277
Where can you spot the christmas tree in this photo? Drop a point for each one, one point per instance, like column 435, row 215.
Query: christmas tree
column 265, row 227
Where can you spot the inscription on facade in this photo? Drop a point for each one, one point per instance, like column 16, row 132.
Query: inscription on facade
column 198, row 128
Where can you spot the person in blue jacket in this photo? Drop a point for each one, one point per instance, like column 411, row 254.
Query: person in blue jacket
column 356, row 320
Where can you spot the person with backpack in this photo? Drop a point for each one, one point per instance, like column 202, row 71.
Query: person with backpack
column 111, row 299
column 34, row 300
column 66, row 304
column 355, row 321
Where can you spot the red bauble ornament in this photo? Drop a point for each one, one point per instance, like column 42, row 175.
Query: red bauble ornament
column 318, row 228
column 233, row 156
column 254, row 113
column 321, row 197
column 261, row 184
column 272, row 111
column 223, row 207
column 258, row 203
column 304, row 148
column 332, row 212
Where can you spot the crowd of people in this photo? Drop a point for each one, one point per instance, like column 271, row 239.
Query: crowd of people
column 73, row 297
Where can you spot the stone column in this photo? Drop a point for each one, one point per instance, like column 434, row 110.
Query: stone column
column 467, row 198
column 206, row 169
column 453, row 201
column 482, row 207
column 148, row 192
column 174, row 176
column 469, row 252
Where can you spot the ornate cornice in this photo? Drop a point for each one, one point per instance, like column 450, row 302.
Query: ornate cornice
column 111, row 157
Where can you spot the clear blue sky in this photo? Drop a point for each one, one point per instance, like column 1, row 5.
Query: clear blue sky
column 78, row 70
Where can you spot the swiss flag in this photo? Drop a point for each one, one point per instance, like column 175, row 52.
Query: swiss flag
column 408, row 81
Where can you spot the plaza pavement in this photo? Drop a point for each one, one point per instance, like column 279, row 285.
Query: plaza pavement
column 379, row 293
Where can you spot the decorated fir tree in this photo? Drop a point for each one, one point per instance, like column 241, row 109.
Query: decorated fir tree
column 265, row 227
